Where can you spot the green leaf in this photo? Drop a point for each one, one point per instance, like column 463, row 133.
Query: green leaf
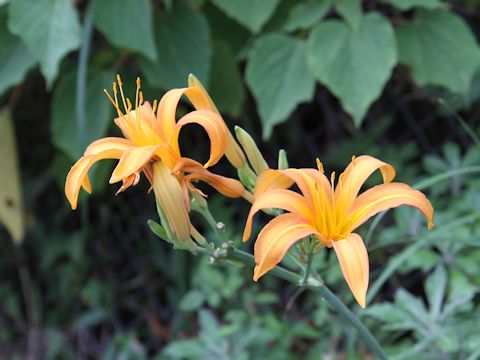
column 49, row 28
column 354, row 65
column 226, row 87
column 15, row 59
column 252, row 14
column 183, row 38
column 192, row 300
column 112, row 18
column 305, row 15
column 158, row 230
column 278, row 75
column 435, row 287
column 66, row 133
column 439, row 49
column 408, row 4
column 11, row 206
column 350, row 10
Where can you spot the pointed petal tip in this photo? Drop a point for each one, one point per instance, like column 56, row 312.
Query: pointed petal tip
column 113, row 179
column 257, row 273
column 361, row 300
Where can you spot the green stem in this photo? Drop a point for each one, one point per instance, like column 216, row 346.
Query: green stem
column 364, row 333
column 80, row 98
column 307, row 269
column 205, row 212
column 317, row 287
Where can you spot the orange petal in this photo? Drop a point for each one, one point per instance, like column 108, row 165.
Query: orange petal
column 355, row 175
column 213, row 125
column 200, row 99
column 108, row 143
column 170, row 197
column 270, row 180
column 279, row 199
column 353, row 258
column 86, row 185
column 77, row 176
column 138, row 126
column 198, row 96
column 130, row 180
column 166, row 112
column 226, row 186
column 387, row 196
column 306, row 180
column 132, row 161
column 276, row 238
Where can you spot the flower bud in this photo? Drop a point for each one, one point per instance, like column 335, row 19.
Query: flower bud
column 251, row 149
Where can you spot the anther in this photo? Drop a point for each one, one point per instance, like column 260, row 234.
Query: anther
column 320, row 166
column 119, row 79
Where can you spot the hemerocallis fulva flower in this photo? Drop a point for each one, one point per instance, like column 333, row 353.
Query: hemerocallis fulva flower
column 329, row 213
column 150, row 146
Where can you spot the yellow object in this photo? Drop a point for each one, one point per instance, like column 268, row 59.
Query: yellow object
column 150, row 146
column 328, row 212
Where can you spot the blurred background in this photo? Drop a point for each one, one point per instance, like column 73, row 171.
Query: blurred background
column 395, row 79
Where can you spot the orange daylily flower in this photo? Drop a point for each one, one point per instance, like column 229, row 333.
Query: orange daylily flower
column 330, row 213
column 150, row 146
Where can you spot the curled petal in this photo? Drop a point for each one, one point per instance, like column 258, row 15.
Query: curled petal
column 170, row 197
column 226, row 186
column 387, row 196
column 166, row 112
column 276, row 238
column 353, row 258
column 132, row 161
column 86, row 185
column 77, row 176
column 108, row 143
column 200, row 99
column 355, row 175
column 279, row 199
column 270, row 180
column 130, row 180
column 213, row 125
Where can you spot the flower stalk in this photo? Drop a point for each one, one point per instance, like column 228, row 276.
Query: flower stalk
column 233, row 254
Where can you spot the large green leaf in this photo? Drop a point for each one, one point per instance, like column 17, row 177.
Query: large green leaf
column 304, row 15
column 15, row 59
column 11, row 207
column 278, row 75
column 112, row 18
column 184, row 46
column 353, row 64
column 439, row 49
column 49, row 28
column 408, row 4
column 226, row 87
column 66, row 130
column 350, row 10
column 252, row 14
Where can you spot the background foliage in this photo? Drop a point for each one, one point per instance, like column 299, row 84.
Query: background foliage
column 327, row 78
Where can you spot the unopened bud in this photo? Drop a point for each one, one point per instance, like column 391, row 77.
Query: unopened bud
column 282, row 160
column 251, row 149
